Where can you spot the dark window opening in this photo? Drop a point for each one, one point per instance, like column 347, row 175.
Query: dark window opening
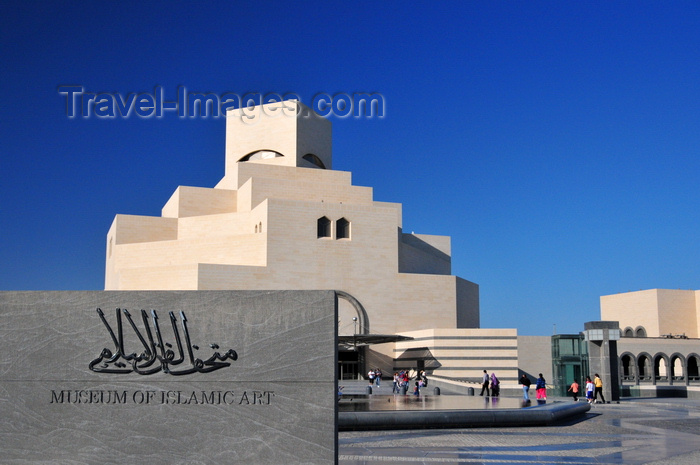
column 314, row 160
column 342, row 229
column 324, row 227
column 626, row 366
column 693, row 371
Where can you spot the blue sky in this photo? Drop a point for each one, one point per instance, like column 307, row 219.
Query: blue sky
column 556, row 142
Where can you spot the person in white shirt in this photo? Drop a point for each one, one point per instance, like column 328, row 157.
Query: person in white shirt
column 485, row 384
column 589, row 389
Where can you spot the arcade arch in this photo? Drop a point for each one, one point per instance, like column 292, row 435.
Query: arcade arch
column 643, row 368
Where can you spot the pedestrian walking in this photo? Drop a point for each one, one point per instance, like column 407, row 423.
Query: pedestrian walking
column 574, row 390
column 525, row 381
column 589, row 389
column 598, row 383
column 541, row 387
column 485, row 384
column 495, row 385
column 424, row 377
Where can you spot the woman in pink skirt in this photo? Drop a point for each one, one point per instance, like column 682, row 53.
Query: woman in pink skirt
column 541, row 387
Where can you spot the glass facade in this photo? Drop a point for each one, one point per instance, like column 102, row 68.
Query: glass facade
column 569, row 362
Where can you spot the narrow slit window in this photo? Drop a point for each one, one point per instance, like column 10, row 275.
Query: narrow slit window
column 342, row 227
column 324, row 227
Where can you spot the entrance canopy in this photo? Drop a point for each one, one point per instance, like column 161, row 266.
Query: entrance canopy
column 361, row 340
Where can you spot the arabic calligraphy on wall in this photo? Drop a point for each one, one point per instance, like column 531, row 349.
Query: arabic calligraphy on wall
column 155, row 355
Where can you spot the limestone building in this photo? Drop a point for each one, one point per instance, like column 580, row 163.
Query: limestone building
column 281, row 218
column 654, row 312
column 659, row 347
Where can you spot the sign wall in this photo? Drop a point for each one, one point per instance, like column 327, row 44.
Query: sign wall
column 168, row 377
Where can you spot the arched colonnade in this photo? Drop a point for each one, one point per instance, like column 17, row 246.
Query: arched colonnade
column 659, row 368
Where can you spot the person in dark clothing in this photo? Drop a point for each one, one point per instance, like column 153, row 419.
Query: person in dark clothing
column 495, row 385
column 525, row 381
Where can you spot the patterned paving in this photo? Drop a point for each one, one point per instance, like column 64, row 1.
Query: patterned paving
column 627, row 433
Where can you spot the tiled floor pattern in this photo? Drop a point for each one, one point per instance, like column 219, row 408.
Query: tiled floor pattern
column 628, row 433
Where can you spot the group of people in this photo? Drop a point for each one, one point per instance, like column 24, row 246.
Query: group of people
column 401, row 380
column 492, row 386
column 540, row 387
column 593, row 389
column 374, row 376
column 491, row 382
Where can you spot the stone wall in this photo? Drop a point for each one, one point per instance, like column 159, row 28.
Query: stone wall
column 168, row 377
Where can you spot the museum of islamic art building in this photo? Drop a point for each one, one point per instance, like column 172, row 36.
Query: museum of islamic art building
column 282, row 219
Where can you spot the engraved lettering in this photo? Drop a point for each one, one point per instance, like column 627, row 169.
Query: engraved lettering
column 164, row 397
column 55, row 399
column 88, row 396
column 233, row 400
column 155, row 355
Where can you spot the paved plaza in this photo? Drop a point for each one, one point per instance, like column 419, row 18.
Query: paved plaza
column 655, row 431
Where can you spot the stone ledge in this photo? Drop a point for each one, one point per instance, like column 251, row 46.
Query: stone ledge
column 539, row 415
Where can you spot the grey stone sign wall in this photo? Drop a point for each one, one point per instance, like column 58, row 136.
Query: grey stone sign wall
column 168, row 377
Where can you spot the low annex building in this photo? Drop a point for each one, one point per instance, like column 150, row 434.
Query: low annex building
column 659, row 344
column 281, row 218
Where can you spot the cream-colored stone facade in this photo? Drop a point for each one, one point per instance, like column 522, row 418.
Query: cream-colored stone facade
column 654, row 312
column 282, row 219
column 462, row 353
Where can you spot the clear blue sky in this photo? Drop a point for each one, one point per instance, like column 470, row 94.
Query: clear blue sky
column 556, row 142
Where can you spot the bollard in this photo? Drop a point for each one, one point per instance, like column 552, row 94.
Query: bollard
column 369, row 389
column 470, row 391
column 436, row 391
